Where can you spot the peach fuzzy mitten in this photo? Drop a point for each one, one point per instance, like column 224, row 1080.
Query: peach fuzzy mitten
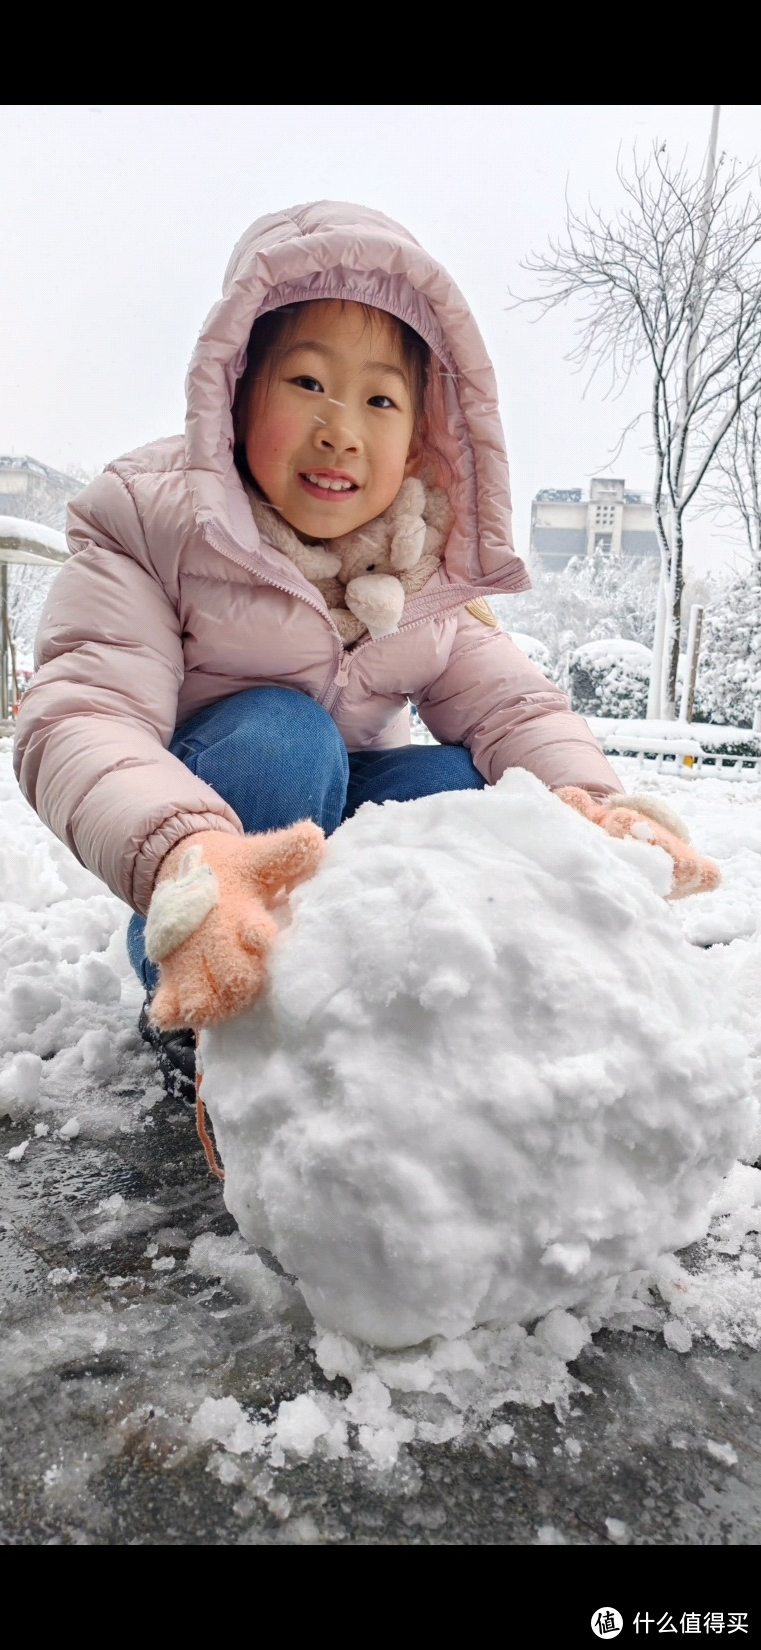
column 648, row 819
column 209, row 924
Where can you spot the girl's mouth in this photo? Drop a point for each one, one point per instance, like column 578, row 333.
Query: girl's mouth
column 328, row 484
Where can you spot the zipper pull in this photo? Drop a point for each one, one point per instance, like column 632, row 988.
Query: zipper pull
column 342, row 674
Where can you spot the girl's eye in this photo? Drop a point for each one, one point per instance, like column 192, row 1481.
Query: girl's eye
column 380, row 401
column 305, row 382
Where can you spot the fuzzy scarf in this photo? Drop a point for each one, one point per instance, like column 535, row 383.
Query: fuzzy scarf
column 365, row 576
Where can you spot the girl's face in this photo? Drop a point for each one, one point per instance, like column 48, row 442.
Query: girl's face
column 329, row 432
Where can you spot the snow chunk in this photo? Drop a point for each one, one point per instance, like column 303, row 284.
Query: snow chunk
column 70, row 1129
column 300, row 1422
column 722, row 1452
column 31, row 1000
column 97, row 981
column 98, row 1055
column 562, row 1334
column 617, row 1529
column 741, row 1188
column 224, row 1421
column 570, row 1258
column 337, row 1356
column 484, row 1044
column 677, row 1336
column 17, row 1152
column 381, row 1444
column 20, row 1084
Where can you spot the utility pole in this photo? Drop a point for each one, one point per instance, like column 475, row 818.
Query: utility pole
column 660, row 665
column 691, row 664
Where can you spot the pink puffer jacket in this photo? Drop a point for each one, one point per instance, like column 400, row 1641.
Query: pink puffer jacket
column 171, row 601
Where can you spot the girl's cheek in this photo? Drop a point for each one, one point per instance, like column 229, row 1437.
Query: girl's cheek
column 278, row 435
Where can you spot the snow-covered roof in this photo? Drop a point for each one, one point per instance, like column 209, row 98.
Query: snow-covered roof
column 34, row 466
column 31, row 541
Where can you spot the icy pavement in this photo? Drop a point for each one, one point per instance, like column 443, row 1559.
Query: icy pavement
column 163, row 1385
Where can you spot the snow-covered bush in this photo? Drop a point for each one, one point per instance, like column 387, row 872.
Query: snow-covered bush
column 610, row 678
column 593, row 599
column 729, row 673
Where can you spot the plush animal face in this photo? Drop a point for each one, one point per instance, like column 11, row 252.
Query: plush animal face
column 360, row 559
column 393, row 557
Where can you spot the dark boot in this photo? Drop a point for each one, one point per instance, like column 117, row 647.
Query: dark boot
column 175, row 1053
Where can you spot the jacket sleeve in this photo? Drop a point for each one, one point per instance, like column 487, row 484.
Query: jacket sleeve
column 92, row 732
column 492, row 699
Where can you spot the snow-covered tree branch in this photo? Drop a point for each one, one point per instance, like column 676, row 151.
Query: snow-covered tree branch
column 736, row 481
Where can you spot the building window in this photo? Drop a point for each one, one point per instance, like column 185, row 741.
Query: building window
column 603, row 543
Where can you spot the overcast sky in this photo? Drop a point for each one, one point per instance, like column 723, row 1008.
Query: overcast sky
column 117, row 222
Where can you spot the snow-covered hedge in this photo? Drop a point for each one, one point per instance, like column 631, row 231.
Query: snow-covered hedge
column 610, row 678
column 594, row 599
column 623, row 736
column 729, row 674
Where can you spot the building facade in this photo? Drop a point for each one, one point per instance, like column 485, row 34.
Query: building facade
column 34, row 492
column 610, row 522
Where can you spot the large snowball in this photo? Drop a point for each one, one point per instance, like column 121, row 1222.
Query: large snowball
column 488, row 1070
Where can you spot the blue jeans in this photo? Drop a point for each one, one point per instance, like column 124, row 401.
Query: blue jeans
column 276, row 757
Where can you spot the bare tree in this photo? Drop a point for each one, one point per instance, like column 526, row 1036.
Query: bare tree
column 736, row 480
column 672, row 282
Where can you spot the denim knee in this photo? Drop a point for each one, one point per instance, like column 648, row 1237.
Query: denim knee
column 273, row 753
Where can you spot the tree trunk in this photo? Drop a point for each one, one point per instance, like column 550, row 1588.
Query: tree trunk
column 676, row 587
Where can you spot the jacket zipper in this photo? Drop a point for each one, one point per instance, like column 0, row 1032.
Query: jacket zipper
column 341, row 677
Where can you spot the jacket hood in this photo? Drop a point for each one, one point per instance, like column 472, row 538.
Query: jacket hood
column 336, row 250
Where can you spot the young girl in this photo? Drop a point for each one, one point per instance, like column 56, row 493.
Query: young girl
column 201, row 673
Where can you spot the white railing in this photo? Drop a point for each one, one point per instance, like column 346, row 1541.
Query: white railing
column 683, row 757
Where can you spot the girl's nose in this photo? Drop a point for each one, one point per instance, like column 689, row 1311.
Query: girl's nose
column 336, row 435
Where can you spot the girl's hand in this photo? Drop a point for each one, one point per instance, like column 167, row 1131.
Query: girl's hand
column 651, row 821
column 209, row 925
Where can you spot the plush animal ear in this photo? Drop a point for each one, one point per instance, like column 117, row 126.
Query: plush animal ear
column 407, row 543
column 439, row 519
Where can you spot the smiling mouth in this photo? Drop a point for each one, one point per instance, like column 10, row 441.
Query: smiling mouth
column 322, row 483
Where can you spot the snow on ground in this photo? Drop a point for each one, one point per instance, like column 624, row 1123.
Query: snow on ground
column 73, row 1069
column 68, row 998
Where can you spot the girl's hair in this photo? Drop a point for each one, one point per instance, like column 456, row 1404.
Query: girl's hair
column 270, row 337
